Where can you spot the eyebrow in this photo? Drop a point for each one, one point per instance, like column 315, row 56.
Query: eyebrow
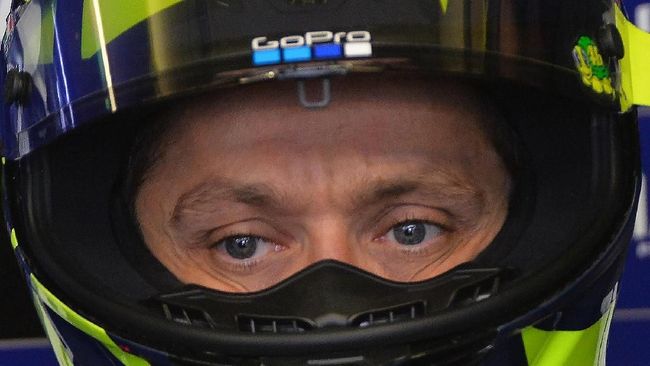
column 441, row 187
column 203, row 198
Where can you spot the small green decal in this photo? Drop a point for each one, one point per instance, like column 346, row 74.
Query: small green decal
column 593, row 71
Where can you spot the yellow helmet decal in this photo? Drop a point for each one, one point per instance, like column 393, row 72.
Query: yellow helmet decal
column 443, row 5
column 61, row 351
column 584, row 347
column 635, row 65
column 14, row 239
column 43, row 297
column 115, row 17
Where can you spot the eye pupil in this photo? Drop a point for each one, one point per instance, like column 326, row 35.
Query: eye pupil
column 241, row 247
column 411, row 233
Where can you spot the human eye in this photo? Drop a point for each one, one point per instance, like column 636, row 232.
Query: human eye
column 244, row 251
column 413, row 233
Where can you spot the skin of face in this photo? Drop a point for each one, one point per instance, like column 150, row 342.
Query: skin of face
column 337, row 183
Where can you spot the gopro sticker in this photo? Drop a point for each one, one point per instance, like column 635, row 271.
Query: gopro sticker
column 319, row 45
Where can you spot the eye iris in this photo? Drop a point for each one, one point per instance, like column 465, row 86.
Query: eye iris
column 410, row 233
column 242, row 247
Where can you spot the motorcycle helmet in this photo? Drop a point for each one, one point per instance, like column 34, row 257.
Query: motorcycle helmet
column 81, row 77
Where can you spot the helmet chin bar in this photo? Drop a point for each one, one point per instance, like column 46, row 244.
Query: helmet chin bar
column 331, row 297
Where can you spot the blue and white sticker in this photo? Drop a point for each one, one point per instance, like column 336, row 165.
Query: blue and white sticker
column 312, row 46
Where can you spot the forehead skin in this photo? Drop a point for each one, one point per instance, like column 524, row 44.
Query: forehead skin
column 321, row 162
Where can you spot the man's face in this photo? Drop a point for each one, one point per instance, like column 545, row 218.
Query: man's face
column 398, row 178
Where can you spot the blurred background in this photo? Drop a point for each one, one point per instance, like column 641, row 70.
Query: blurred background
column 22, row 342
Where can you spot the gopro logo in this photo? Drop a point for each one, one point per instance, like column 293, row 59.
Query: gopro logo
column 320, row 45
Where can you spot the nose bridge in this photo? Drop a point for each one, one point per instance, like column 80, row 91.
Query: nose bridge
column 331, row 238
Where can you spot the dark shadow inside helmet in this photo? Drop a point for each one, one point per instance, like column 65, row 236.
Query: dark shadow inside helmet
column 574, row 193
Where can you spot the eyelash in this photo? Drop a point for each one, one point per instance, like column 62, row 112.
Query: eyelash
column 243, row 266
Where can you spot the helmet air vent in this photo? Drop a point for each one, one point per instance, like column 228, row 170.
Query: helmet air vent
column 476, row 292
column 257, row 324
column 188, row 316
column 389, row 315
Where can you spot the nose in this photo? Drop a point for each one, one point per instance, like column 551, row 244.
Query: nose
column 332, row 239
